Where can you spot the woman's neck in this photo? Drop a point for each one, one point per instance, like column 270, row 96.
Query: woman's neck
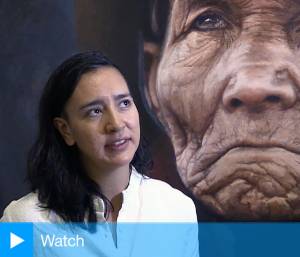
column 112, row 181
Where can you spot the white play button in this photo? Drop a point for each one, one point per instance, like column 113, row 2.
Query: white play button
column 15, row 240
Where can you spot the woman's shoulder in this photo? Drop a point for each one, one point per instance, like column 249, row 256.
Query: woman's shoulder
column 175, row 203
column 25, row 209
column 163, row 189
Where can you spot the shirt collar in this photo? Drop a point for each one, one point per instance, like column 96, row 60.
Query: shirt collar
column 130, row 199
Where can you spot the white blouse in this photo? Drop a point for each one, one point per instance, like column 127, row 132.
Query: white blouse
column 144, row 200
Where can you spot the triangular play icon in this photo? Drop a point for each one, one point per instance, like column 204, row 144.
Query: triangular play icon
column 15, row 240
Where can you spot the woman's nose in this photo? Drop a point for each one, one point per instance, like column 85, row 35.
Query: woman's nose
column 114, row 121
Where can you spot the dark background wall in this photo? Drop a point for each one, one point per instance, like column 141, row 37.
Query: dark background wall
column 37, row 35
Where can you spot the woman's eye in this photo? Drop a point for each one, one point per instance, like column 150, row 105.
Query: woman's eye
column 125, row 103
column 209, row 21
column 94, row 112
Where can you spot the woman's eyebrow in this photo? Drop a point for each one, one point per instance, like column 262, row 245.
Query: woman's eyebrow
column 101, row 102
column 92, row 103
column 121, row 96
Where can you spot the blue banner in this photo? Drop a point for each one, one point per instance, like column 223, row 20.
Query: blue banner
column 149, row 240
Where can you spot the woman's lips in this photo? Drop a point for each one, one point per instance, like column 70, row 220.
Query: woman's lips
column 118, row 144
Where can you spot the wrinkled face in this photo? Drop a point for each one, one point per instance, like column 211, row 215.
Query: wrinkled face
column 227, row 91
column 102, row 120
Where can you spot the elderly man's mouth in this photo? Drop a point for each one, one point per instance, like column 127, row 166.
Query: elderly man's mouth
column 273, row 164
column 247, row 180
column 248, row 151
column 252, row 153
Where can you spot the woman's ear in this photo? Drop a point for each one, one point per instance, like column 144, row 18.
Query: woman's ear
column 64, row 129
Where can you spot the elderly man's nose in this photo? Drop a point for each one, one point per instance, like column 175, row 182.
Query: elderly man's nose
column 257, row 89
column 114, row 122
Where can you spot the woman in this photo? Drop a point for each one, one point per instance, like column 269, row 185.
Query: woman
column 87, row 162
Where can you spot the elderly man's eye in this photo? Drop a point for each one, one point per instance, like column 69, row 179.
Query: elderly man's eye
column 209, row 21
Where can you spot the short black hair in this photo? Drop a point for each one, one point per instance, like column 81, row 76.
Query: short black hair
column 54, row 168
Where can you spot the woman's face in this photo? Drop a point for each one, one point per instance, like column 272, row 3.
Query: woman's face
column 102, row 120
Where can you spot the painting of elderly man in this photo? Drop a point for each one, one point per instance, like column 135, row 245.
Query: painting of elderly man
column 223, row 81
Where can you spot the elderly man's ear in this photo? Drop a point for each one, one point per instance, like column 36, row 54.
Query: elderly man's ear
column 151, row 57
